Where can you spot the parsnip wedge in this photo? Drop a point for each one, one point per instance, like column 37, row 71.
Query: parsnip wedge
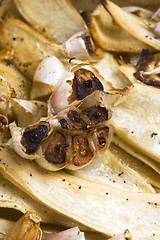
column 58, row 20
column 108, row 35
column 16, row 80
column 136, row 120
column 137, row 154
column 13, row 198
column 136, row 212
column 108, row 68
column 28, row 111
column 147, row 172
column 136, row 26
column 128, row 71
column 29, row 45
column 109, row 169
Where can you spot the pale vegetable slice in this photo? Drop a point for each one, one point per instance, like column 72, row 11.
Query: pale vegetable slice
column 31, row 47
column 13, row 197
column 136, row 26
column 26, row 228
column 136, row 120
column 28, row 44
column 109, row 169
column 40, row 90
column 128, row 71
column 108, row 35
column 108, row 68
column 58, row 20
column 147, row 172
column 16, row 80
column 137, row 154
column 139, row 11
column 28, row 111
column 94, row 204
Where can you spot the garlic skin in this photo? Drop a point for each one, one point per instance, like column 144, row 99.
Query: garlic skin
column 71, row 234
column 49, row 71
column 58, row 101
column 75, row 47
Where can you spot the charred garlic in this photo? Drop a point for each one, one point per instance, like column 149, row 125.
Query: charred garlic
column 26, row 142
column 82, row 84
column 148, row 68
column 69, row 139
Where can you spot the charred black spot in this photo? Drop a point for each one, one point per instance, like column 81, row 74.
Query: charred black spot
column 32, row 138
column 85, row 83
column 63, row 123
column 96, row 114
column 82, row 151
column 146, row 58
column 56, row 149
column 89, row 44
column 102, row 136
column 76, row 120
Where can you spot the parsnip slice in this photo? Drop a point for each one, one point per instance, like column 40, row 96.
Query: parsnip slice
column 136, row 26
column 110, row 36
column 29, row 45
column 28, row 111
column 40, row 90
column 109, row 169
column 94, row 204
column 108, row 68
column 58, row 20
column 13, row 197
column 128, row 71
column 147, row 172
column 136, row 120
column 16, row 80
column 137, row 154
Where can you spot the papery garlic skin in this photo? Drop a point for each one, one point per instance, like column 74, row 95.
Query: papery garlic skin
column 75, row 47
column 59, row 98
